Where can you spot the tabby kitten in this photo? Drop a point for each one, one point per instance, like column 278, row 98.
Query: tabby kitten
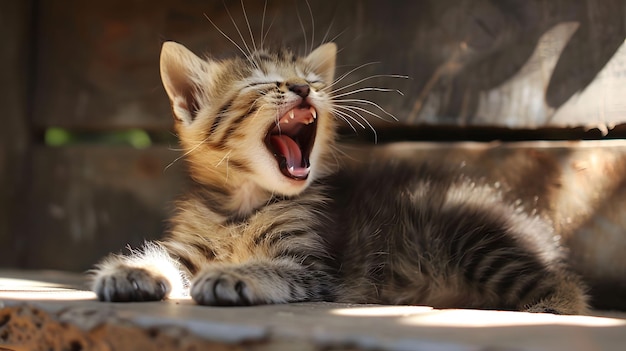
column 275, row 215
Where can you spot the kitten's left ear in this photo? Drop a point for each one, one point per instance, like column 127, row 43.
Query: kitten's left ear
column 184, row 76
column 322, row 60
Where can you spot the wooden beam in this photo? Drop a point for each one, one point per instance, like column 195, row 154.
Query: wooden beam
column 15, row 77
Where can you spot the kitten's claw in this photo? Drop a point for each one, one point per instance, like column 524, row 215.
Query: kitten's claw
column 127, row 284
column 220, row 289
column 542, row 307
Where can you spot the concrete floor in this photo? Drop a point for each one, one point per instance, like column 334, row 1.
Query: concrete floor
column 73, row 320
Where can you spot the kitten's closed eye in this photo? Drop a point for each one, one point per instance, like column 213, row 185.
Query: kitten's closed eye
column 254, row 84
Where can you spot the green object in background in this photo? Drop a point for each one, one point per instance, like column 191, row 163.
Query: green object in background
column 57, row 137
column 136, row 138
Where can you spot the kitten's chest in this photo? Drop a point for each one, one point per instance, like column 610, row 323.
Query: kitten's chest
column 278, row 228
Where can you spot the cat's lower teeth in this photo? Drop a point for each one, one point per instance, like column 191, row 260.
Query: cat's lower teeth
column 299, row 172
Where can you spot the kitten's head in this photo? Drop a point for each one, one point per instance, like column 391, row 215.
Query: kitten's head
column 265, row 118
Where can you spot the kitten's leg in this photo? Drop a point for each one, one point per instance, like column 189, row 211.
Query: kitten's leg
column 261, row 282
column 522, row 282
column 146, row 275
column 566, row 296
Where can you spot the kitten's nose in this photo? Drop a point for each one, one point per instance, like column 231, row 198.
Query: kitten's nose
column 300, row 89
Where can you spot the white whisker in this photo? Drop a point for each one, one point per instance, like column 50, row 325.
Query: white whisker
column 227, row 158
column 371, row 77
column 350, row 72
column 337, row 36
column 357, row 108
column 271, row 198
column 185, row 154
column 367, row 102
column 229, row 38
column 268, row 30
column 384, row 90
column 340, row 114
column 260, row 108
column 223, row 158
column 347, row 115
column 328, row 30
column 245, row 15
column 347, row 122
column 364, row 120
column 263, row 24
column 245, row 43
column 306, row 44
column 312, row 25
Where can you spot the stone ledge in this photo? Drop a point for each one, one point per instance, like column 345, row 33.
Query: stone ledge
column 38, row 314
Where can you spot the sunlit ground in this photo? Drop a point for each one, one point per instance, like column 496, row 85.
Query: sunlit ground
column 427, row 316
column 28, row 289
column 24, row 289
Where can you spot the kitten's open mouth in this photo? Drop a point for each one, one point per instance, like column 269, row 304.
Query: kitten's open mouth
column 292, row 139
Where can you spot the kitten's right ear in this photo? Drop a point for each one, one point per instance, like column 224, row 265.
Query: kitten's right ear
column 323, row 61
column 184, row 76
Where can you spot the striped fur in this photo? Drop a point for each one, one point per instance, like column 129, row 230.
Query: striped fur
column 354, row 230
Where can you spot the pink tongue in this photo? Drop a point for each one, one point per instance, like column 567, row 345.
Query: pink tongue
column 288, row 148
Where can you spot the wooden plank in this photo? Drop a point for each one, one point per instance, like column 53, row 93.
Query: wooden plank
column 14, row 78
column 87, row 201
column 515, row 64
column 97, row 66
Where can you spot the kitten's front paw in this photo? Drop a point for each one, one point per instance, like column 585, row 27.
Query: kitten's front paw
column 258, row 282
column 221, row 288
column 126, row 284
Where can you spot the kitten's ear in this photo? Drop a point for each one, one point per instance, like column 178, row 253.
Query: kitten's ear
column 184, row 75
column 323, row 60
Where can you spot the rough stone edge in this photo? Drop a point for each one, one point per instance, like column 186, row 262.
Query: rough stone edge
column 26, row 327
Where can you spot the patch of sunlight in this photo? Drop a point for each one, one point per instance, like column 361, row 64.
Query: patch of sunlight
column 26, row 283
column 23, row 289
column 429, row 317
column 383, row 311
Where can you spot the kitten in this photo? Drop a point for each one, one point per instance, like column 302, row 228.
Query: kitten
column 276, row 215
